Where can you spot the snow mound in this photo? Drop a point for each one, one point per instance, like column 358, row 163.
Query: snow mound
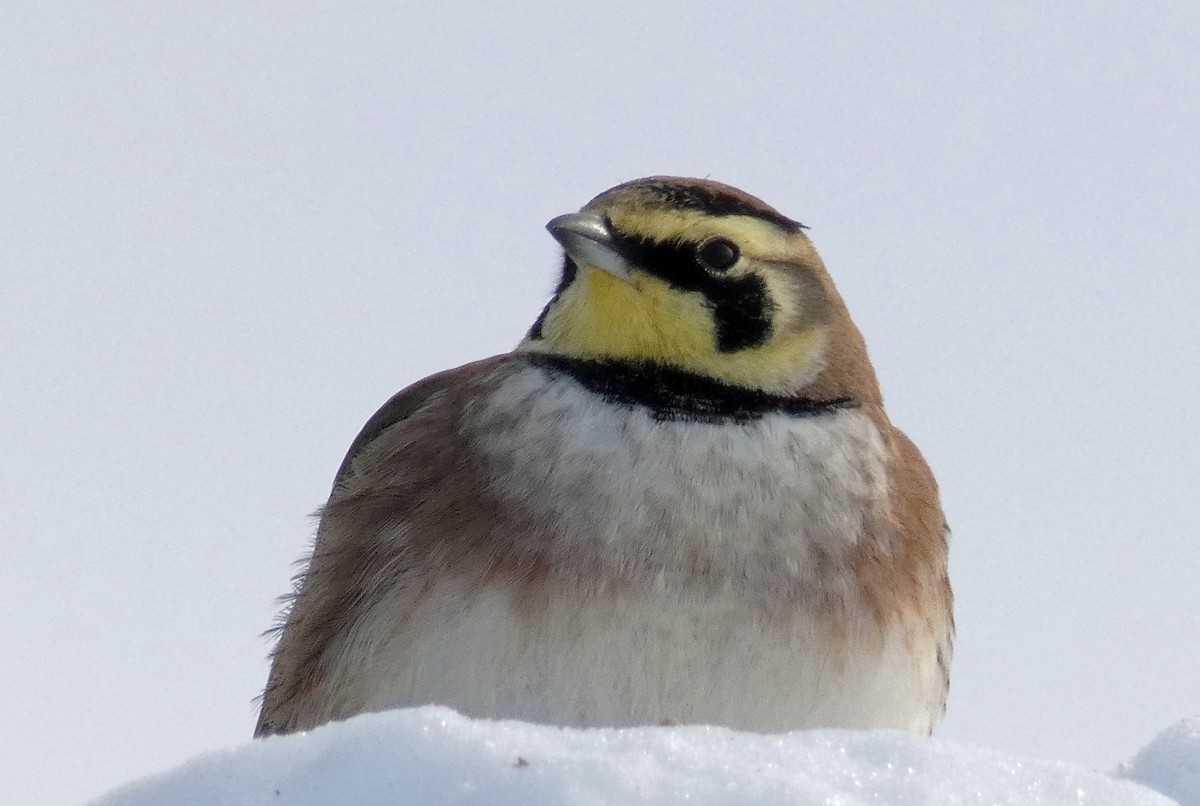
column 1170, row 763
column 433, row 756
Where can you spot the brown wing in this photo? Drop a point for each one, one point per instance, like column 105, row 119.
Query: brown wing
column 914, row 575
column 930, row 538
column 403, row 483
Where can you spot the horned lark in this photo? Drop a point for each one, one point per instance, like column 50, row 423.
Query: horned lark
column 679, row 500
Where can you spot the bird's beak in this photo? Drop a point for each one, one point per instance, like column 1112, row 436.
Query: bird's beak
column 588, row 241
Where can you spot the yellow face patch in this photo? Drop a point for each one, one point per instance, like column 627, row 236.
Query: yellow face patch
column 601, row 316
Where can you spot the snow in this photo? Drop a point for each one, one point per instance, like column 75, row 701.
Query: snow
column 1170, row 763
column 433, row 755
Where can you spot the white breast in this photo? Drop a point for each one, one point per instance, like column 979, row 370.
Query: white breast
column 772, row 497
column 733, row 610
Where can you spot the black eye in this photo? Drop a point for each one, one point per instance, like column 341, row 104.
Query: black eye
column 717, row 254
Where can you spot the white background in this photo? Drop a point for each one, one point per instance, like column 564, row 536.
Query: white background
column 229, row 232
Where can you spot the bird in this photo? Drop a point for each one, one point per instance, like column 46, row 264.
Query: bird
column 678, row 500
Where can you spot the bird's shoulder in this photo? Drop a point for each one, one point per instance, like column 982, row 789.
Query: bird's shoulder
column 435, row 394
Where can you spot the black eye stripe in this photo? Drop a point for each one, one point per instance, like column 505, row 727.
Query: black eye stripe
column 673, row 261
column 742, row 307
column 743, row 314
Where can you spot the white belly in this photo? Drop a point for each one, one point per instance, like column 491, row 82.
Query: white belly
column 697, row 660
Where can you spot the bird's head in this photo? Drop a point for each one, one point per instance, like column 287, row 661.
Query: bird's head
column 698, row 276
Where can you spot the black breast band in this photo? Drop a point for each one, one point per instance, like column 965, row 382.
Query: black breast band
column 673, row 394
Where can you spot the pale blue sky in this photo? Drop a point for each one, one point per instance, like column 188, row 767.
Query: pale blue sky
column 228, row 233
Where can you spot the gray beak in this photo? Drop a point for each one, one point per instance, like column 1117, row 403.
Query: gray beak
column 589, row 242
